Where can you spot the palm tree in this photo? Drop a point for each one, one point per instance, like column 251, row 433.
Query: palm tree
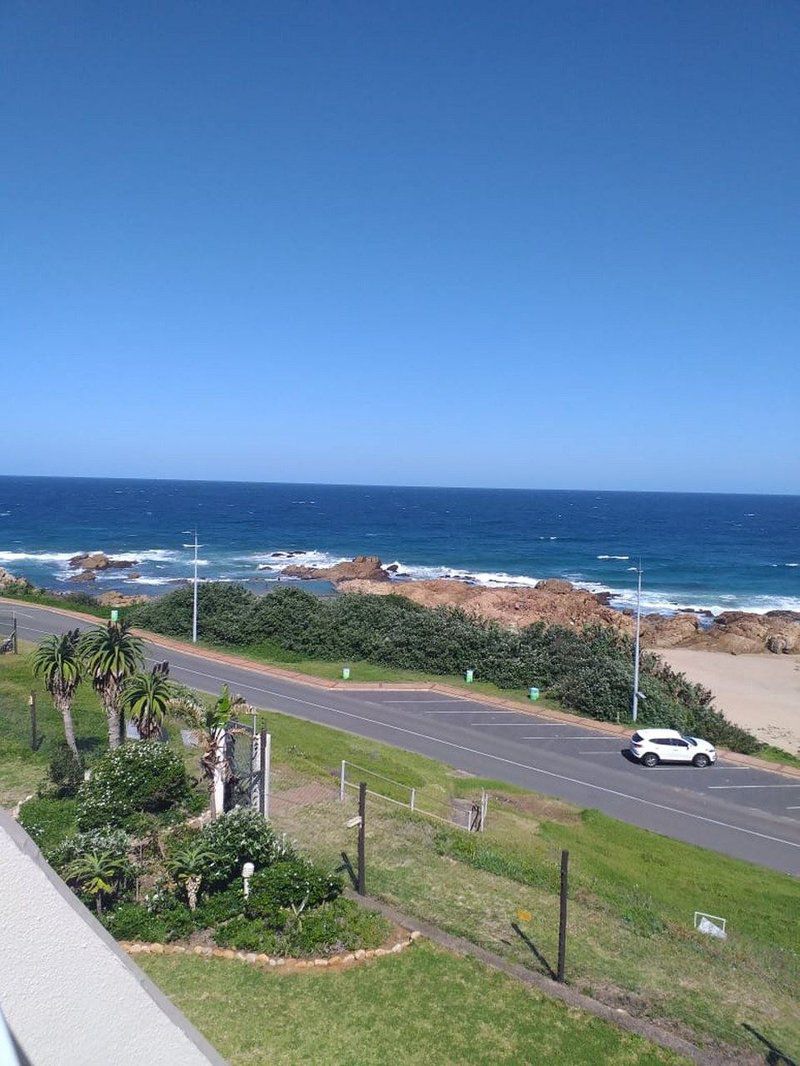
column 188, row 864
column 57, row 661
column 112, row 654
column 209, row 723
column 147, row 698
column 97, row 873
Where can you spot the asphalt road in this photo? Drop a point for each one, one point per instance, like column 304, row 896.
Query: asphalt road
column 747, row 813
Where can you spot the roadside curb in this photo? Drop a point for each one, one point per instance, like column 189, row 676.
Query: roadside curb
column 592, row 724
column 568, row 995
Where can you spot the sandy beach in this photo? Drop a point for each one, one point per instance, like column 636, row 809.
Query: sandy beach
column 759, row 692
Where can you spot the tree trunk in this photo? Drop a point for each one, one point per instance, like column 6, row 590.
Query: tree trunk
column 65, row 707
column 99, row 904
column 113, row 728
column 116, row 719
column 192, row 888
column 218, row 780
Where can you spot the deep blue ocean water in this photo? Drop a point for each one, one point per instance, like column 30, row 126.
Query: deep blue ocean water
column 706, row 551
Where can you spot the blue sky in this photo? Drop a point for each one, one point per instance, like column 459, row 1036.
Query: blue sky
column 513, row 244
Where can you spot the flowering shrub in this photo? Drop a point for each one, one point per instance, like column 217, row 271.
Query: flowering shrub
column 107, row 841
column 133, row 921
column 237, row 837
column 293, row 882
column 135, row 777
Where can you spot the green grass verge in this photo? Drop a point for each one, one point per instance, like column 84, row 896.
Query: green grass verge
column 70, row 601
column 424, row 1006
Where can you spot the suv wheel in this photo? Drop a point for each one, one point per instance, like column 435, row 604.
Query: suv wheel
column 650, row 759
column 701, row 760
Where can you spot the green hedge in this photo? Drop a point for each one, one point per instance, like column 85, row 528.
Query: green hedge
column 589, row 671
column 147, row 776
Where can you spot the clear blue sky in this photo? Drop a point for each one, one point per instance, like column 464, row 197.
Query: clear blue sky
column 516, row 244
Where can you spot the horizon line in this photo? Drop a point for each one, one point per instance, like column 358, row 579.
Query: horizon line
column 376, row 485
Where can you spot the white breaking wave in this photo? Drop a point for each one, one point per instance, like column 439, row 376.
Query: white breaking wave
column 623, row 557
column 279, row 558
column 36, row 557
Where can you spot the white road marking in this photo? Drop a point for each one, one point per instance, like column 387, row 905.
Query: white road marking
column 507, row 762
column 605, row 751
column 755, row 786
column 793, row 808
column 580, row 736
column 453, row 699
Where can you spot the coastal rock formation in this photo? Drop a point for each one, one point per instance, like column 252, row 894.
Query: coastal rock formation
column 362, row 568
column 554, row 602
column 663, row 631
column 99, row 561
column 119, row 599
column 10, row 582
column 83, row 575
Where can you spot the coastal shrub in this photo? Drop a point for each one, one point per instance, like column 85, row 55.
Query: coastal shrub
column 237, row 837
column 293, row 881
column 588, row 670
column 48, row 820
column 248, row 934
column 137, row 921
column 65, row 771
column 146, row 776
column 133, row 921
column 342, row 925
column 115, row 842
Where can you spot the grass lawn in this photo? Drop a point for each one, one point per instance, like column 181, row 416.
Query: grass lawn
column 423, row 1006
column 21, row 768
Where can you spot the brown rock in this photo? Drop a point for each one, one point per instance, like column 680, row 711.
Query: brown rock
column 119, row 599
column 84, row 575
column 362, row 568
column 99, row 561
column 9, row 582
column 555, row 585
column 659, row 631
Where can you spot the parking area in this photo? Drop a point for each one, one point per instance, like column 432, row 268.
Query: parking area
column 538, row 734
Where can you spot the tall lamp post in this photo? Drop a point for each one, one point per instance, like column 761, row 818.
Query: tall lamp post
column 194, row 545
column 637, row 645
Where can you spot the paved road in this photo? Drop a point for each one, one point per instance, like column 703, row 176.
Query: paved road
column 747, row 813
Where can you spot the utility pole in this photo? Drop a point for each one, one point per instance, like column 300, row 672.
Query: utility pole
column 635, row 702
column 362, row 838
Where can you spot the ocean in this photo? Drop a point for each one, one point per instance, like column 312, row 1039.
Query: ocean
column 712, row 552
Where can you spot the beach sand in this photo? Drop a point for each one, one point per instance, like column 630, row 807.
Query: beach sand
column 759, row 692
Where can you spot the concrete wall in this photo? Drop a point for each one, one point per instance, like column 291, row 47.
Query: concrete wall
column 68, row 993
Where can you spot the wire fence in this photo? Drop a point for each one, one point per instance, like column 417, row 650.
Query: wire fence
column 465, row 814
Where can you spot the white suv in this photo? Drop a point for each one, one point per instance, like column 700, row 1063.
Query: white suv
column 652, row 746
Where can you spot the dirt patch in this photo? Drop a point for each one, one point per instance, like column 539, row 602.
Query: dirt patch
column 542, row 808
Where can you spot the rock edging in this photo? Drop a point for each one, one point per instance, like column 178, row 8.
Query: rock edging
column 137, row 947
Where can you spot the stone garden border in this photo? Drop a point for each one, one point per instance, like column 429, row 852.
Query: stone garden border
column 136, row 947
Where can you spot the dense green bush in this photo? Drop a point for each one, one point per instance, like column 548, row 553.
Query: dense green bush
column 248, row 934
column 65, row 771
column 136, row 921
column 238, row 837
column 341, row 925
column 338, row 926
column 109, row 841
column 293, row 881
column 146, row 776
column 589, row 671
column 48, row 821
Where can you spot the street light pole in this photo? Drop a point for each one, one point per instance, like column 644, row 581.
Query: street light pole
column 194, row 604
column 635, row 703
column 195, row 545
